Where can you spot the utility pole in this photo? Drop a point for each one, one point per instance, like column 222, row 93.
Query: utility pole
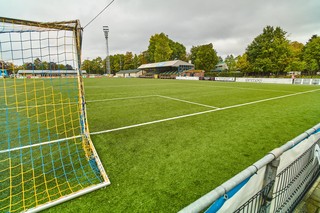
column 106, row 32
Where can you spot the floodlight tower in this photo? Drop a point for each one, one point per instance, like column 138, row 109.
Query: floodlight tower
column 106, row 32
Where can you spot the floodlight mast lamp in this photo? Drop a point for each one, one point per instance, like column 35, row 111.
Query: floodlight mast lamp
column 106, row 32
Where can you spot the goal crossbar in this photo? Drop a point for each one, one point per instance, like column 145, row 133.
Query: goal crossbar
column 62, row 25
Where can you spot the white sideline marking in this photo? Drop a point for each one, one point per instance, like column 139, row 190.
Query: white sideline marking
column 152, row 122
column 203, row 112
column 189, row 102
column 243, row 88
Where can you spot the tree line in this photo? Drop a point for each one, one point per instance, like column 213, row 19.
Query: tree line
column 161, row 48
column 271, row 52
column 37, row 64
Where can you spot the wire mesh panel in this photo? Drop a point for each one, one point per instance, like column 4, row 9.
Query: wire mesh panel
column 46, row 154
column 295, row 180
column 290, row 186
column 257, row 202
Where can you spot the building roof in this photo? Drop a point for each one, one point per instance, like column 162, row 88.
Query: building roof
column 221, row 66
column 175, row 63
column 128, row 71
column 50, row 72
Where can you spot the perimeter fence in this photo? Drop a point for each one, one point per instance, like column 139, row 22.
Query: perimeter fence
column 275, row 183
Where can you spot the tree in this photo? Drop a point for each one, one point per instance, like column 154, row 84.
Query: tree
column 69, row 67
column 61, row 66
column 178, row 51
column 231, row 62
column 97, row 66
column 204, row 57
column 116, row 62
column 10, row 67
column 136, row 62
column 45, row 65
column 242, row 63
column 86, row 65
column 143, row 58
column 269, row 51
column 311, row 53
column 52, row 66
column 296, row 49
column 37, row 64
column 162, row 48
column 296, row 63
column 128, row 63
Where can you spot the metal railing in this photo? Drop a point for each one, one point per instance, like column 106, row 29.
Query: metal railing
column 283, row 186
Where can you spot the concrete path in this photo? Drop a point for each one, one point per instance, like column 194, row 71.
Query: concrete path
column 311, row 201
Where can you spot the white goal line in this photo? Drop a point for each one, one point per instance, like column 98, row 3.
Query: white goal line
column 124, row 98
column 75, row 103
column 40, row 144
column 40, row 105
column 200, row 113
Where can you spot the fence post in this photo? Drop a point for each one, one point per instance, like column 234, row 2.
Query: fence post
column 269, row 177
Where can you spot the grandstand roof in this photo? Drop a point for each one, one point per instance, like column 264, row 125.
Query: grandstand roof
column 175, row 63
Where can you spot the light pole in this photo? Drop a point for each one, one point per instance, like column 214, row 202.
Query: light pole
column 106, row 31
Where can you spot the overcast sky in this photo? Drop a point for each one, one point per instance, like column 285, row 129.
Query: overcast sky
column 230, row 25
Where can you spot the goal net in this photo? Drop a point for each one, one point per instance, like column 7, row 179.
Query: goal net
column 46, row 154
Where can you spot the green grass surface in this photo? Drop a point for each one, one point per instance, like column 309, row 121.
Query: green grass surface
column 163, row 167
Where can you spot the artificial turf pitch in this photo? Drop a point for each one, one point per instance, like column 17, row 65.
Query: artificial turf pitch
column 165, row 165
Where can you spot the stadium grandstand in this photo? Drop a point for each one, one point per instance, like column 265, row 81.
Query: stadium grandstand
column 165, row 68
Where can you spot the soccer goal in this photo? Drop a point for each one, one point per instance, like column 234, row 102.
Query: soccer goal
column 46, row 154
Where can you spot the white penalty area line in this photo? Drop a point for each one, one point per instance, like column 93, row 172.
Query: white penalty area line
column 189, row 102
column 106, row 100
column 148, row 96
column 203, row 112
column 90, row 101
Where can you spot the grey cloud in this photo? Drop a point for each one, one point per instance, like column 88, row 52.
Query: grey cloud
column 230, row 25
